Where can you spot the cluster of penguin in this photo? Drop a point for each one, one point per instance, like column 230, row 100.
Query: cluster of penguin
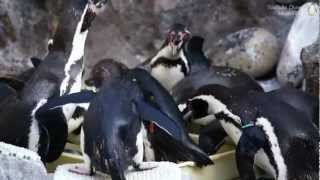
column 129, row 116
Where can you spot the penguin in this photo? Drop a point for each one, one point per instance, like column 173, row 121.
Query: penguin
column 268, row 133
column 114, row 131
column 303, row 102
column 59, row 73
column 105, row 70
column 167, row 66
column 203, row 74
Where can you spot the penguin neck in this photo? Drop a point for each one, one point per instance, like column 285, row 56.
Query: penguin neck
column 218, row 108
column 196, row 59
column 167, row 52
column 69, row 38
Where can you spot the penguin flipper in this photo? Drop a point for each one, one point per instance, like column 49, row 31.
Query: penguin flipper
column 161, row 96
column 250, row 142
column 75, row 98
column 150, row 113
column 175, row 131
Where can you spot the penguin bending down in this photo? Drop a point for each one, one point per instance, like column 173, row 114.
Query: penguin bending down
column 203, row 74
column 168, row 66
column 114, row 133
column 268, row 133
column 58, row 74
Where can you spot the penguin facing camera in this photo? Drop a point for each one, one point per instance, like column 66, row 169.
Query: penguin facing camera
column 167, row 66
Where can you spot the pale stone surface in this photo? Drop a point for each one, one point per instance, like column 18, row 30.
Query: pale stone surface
column 310, row 60
column 20, row 164
column 254, row 51
column 304, row 32
column 163, row 171
column 269, row 84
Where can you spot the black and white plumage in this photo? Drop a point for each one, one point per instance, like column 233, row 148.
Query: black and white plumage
column 168, row 66
column 202, row 74
column 59, row 73
column 268, row 133
column 114, row 133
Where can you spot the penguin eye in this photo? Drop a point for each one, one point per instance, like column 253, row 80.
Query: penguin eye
column 99, row 4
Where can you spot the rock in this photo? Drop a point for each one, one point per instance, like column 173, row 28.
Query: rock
column 20, row 164
column 24, row 32
column 304, row 32
column 269, row 84
column 132, row 31
column 157, row 171
column 310, row 60
column 254, row 51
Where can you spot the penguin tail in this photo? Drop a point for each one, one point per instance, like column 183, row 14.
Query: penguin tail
column 197, row 155
column 180, row 151
column 115, row 168
column 113, row 156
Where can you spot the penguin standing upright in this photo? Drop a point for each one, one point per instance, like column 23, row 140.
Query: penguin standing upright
column 167, row 66
column 58, row 74
column 202, row 73
column 101, row 72
column 114, row 133
column 268, row 132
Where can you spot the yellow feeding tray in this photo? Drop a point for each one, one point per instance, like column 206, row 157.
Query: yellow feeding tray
column 224, row 167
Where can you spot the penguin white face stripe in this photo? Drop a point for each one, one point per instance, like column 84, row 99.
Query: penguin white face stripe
column 275, row 148
column 77, row 51
column 216, row 106
column 34, row 134
column 165, row 52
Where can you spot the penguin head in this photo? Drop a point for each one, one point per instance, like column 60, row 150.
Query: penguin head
column 104, row 71
column 94, row 8
column 97, row 5
column 176, row 36
column 196, row 108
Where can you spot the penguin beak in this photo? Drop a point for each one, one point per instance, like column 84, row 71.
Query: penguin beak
column 96, row 6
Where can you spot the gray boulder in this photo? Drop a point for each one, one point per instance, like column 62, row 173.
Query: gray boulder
column 304, row 32
column 254, row 51
column 310, row 60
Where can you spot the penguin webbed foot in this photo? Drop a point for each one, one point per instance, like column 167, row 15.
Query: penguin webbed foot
column 143, row 167
column 82, row 171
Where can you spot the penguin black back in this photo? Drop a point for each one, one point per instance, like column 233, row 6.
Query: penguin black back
column 307, row 104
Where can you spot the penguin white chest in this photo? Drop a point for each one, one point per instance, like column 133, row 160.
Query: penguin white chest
column 69, row 109
column 168, row 76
